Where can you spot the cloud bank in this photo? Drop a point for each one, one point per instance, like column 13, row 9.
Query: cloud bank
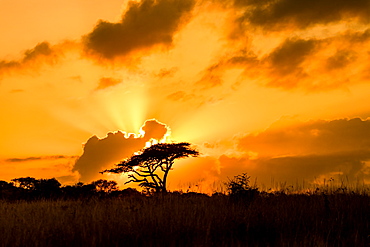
column 304, row 152
column 99, row 154
column 144, row 25
column 302, row 14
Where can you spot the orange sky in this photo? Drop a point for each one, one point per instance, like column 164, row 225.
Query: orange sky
column 279, row 89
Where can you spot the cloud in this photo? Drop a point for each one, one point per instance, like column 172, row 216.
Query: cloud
column 315, row 137
column 106, row 82
column 213, row 75
column 53, row 157
column 288, row 57
column 100, row 154
column 307, row 63
column 341, row 59
column 42, row 52
column 302, row 14
column 314, row 166
column 318, row 64
column 154, row 129
column 180, row 96
column 144, row 25
column 164, row 73
column 304, row 151
column 296, row 170
column 359, row 37
column 307, row 45
column 41, row 49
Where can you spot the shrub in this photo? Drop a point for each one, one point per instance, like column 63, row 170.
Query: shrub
column 239, row 187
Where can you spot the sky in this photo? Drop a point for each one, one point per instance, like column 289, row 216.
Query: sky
column 276, row 88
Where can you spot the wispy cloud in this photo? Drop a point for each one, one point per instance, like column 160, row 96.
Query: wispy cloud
column 53, row 157
column 107, row 82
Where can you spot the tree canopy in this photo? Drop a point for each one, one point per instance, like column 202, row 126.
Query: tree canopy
column 151, row 166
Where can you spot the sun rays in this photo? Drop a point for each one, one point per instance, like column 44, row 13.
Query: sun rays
column 213, row 72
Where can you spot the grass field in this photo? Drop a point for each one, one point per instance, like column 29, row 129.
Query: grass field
column 175, row 219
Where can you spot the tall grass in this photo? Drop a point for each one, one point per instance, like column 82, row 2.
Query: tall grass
column 175, row 219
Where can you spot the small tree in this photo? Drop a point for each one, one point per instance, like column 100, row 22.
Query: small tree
column 151, row 166
column 27, row 183
column 239, row 187
column 106, row 186
column 239, row 184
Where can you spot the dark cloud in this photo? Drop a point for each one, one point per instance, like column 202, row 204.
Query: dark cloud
column 316, row 137
column 288, row 57
column 22, row 159
column 297, row 169
column 106, row 82
column 40, row 51
column 298, row 63
column 5, row 65
column 313, row 166
column 303, row 13
column 100, row 154
column 143, row 25
column 254, row 3
column 305, row 60
column 284, row 63
column 305, row 151
column 358, row 37
column 54, row 157
column 341, row 59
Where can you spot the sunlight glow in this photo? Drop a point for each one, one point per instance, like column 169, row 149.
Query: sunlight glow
column 217, row 74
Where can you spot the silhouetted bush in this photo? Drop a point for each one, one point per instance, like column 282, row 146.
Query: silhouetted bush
column 240, row 190
column 104, row 186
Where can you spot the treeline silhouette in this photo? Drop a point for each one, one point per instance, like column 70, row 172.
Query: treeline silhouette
column 29, row 188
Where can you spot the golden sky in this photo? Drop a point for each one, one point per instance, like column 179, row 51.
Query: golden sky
column 276, row 88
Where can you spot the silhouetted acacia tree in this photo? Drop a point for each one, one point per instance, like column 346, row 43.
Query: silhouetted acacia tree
column 151, row 166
